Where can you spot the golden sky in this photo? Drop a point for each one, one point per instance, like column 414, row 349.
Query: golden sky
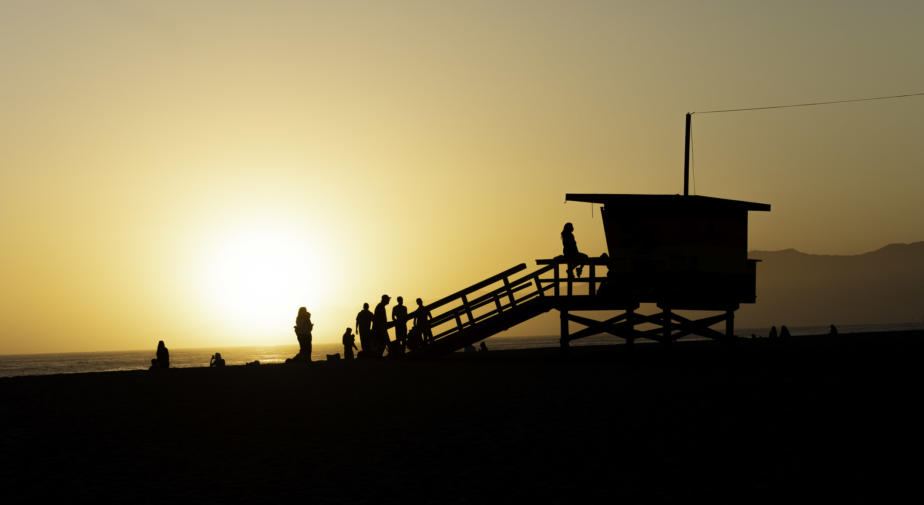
column 196, row 171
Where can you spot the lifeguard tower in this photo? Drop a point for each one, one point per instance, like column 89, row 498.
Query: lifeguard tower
column 677, row 252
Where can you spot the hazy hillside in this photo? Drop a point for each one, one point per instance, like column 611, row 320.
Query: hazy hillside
column 794, row 288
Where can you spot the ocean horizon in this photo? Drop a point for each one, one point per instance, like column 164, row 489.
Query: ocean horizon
column 16, row 365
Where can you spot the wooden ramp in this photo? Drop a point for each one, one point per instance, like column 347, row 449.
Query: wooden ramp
column 510, row 298
column 485, row 309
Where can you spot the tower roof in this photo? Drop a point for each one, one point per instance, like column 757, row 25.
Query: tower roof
column 666, row 201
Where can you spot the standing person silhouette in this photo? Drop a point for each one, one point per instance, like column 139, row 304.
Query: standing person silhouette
column 364, row 328
column 570, row 249
column 349, row 343
column 303, row 327
column 399, row 316
column 380, row 326
column 422, row 322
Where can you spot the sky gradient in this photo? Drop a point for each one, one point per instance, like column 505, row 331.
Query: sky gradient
column 196, row 171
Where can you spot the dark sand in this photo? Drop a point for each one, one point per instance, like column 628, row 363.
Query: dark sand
column 761, row 422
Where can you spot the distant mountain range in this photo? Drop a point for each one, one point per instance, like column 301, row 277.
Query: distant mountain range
column 799, row 289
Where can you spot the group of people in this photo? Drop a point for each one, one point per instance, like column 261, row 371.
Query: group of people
column 782, row 334
column 162, row 358
column 372, row 328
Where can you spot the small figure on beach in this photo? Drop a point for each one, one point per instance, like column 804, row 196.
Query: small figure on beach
column 217, row 360
column 570, row 250
column 162, row 359
column 364, row 328
column 349, row 343
column 422, row 322
column 772, row 334
column 483, row 347
column 380, row 326
column 303, row 327
column 395, row 350
column 414, row 341
column 399, row 316
column 784, row 332
column 833, row 332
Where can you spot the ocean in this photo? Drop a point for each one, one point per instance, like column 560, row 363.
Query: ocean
column 83, row 362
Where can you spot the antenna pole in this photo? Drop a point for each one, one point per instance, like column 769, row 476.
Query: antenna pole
column 686, row 158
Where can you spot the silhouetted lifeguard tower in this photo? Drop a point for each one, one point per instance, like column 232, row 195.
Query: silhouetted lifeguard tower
column 678, row 252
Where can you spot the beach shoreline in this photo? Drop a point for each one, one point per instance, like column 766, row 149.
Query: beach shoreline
column 760, row 420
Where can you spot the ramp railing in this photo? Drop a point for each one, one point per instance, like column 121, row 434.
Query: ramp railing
column 488, row 300
column 594, row 276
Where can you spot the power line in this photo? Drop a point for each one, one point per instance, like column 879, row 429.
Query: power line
column 786, row 106
column 810, row 104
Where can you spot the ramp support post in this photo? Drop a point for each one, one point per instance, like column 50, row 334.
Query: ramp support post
column 666, row 321
column 730, row 324
column 630, row 325
column 564, row 342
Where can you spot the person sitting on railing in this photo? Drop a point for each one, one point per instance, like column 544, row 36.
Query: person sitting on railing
column 422, row 322
column 570, row 250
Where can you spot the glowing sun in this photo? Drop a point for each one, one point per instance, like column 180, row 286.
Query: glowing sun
column 254, row 277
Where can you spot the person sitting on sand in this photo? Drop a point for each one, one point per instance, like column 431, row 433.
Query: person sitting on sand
column 217, row 360
column 772, row 334
column 784, row 332
column 349, row 343
column 484, row 347
column 570, row 249
column 303, row 327
column 833, row 331
column 163, row 357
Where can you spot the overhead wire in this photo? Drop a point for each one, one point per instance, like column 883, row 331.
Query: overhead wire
column 788, row 106
column 810, row 104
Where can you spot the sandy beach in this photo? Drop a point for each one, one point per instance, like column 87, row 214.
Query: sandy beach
column 818, row 418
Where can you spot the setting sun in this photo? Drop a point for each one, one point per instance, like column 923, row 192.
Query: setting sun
column 253, row 277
